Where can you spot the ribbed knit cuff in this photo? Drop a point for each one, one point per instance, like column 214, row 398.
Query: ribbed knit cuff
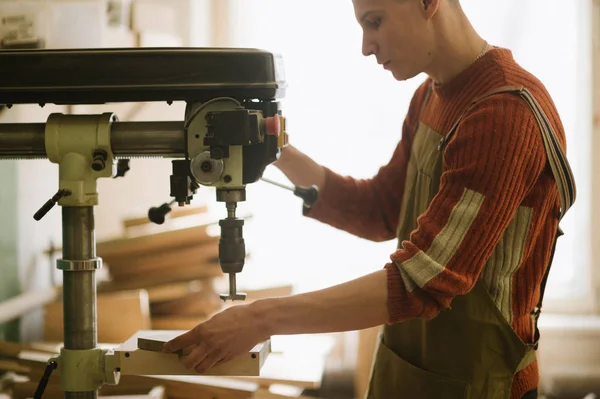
column 395, row 287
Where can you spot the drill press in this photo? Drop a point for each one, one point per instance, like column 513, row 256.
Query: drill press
column 232, row 129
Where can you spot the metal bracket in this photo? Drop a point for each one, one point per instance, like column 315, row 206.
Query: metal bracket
column 86, row 370
column 80, row 145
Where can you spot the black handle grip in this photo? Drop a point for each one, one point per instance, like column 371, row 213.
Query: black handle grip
column 157, row 214
column 50, row 204
column 308, row 194
column 50, row 367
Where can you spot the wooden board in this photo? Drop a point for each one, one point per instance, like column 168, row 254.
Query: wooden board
column 196, row 256
column 176, row 322
column 184, row 273
column 119, row 315
column 196, row 304
column 167, row 292
column 295, row 360
column 153, row 343
column 20, row 305
column 135, row 361
column 130, row 246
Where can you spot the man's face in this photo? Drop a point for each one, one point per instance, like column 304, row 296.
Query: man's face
column 397, row 33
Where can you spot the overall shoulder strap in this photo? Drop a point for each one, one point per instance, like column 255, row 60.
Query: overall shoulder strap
column 556, row 155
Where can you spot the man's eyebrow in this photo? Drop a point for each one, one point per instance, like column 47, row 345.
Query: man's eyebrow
column 366, row 14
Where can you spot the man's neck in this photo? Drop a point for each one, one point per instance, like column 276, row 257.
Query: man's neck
column 458, row 46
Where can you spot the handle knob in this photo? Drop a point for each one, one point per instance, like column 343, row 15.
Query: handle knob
column 50, row 204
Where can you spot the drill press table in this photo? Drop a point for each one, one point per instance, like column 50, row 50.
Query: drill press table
column 94, row 76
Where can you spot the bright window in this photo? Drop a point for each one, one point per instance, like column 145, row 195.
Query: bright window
column 346, row 112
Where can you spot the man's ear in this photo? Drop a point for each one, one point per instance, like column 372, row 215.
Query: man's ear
column 430, row 7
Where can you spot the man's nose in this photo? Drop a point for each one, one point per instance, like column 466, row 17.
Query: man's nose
column 368, row 47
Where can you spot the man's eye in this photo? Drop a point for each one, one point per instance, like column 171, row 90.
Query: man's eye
column 374, row 23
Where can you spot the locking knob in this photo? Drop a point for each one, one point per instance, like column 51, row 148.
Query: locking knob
column 99, row 162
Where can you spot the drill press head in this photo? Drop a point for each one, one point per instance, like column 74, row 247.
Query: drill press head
column 229, row 145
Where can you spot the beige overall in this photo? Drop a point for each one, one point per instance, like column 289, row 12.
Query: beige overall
column 469, row 351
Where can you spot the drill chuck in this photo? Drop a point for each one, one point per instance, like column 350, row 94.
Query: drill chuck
column 232, row 249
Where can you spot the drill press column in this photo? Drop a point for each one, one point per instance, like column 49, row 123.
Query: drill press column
column 79, row 286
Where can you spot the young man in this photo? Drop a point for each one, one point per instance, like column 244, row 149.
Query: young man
column 473, row 194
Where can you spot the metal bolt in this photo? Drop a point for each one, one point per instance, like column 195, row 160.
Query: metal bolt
column 206, row 166
column 99, row 162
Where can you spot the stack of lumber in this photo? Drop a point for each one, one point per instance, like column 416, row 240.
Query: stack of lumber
column 159, row 277
column 178, row 268
column 166, row 257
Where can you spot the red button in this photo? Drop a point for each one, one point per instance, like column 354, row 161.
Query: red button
column 273, row 125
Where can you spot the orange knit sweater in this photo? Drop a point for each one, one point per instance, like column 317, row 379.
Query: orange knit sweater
column 497, row 151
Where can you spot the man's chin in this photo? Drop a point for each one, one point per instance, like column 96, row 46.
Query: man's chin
column 402, row 75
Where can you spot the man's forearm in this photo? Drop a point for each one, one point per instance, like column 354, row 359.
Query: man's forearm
column 300, row 168
column 354, row 305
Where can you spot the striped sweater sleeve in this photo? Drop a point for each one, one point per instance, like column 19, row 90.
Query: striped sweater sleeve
column 490, row 164
column 369, row 208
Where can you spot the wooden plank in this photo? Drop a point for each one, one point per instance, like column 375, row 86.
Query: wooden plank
column 200, row 254
column 176, row 322
column 152, row 242
column 297, row 361
column 135, row 361
column 195, row 304
column 187, row 272
column 20, row 305
column 167, row 292
column 13, row 366
column 205, row 387
column 153, row 343
column 12, row 349
column 119, row 315
column 291, row 369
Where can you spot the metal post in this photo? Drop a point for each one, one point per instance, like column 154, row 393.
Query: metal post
column 128, row 139
column 79, row 287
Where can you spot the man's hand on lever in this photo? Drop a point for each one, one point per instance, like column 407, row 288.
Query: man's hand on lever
column 299, row 168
